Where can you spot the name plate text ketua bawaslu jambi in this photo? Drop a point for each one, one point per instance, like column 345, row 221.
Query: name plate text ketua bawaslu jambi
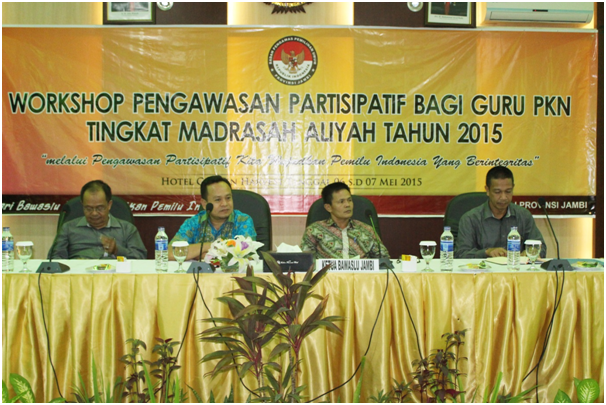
column 349, row 264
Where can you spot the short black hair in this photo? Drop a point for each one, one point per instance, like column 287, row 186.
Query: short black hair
column 211, row 180
column 332, row 188
column 498, row 172
column 94, row 186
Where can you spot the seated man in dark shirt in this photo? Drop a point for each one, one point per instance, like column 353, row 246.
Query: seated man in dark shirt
column 483, row 230
column 341, row 237
column 98, row 234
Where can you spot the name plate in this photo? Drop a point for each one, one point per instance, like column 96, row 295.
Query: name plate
column 349, row 264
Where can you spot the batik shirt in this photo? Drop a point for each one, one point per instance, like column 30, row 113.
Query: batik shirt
column 238, row 223
column 325, row 239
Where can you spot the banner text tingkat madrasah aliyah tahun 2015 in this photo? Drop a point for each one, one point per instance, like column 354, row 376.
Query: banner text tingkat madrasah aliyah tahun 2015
column 408, row 118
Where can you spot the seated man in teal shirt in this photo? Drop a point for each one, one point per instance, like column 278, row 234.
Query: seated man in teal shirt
column 223, row 221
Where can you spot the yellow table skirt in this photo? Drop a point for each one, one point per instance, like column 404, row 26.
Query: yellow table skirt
column 507, row 315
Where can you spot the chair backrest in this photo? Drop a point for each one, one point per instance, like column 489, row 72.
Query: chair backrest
column 257, row 207
column 120, row 209
column 458, row 206
column 317, row 212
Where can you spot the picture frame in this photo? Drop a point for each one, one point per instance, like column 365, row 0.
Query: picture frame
column 450, row 14
column 129, row 12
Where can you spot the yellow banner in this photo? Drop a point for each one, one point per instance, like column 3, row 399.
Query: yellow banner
column 285, row 111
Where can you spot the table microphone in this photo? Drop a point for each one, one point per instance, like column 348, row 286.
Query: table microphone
column 50, row 266
column 554, row 264
column 201, row 266
column 384, row 263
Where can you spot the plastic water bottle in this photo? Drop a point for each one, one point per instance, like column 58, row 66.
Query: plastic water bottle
column 513, row 249
column 161, row 250
column 446, row 250
column 8, row 252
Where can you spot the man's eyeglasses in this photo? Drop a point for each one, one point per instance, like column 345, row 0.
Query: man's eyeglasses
column 100, row 209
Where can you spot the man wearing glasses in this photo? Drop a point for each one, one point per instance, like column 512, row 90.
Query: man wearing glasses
column 98, row 234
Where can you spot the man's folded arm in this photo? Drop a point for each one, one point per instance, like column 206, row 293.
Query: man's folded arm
column 134, row 249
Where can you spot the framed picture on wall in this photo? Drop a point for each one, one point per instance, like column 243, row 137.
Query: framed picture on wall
column 450, row 14
column 129, row 13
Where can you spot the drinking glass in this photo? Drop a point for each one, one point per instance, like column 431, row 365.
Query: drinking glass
column 24, row 249
column 180, row 249
column 428, row 250
column 533, row 248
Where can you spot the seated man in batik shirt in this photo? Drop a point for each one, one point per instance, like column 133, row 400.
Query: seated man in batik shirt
column 223, row 221
column 340, row 236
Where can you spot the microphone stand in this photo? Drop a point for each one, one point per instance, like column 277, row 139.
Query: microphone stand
column 384, row 263
column 554, row 264
column 201, row 266
column 50, row 266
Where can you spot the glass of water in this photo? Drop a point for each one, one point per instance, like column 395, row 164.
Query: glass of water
column 533, row 249
column 428, row 251
column 180, row 249
column 25, row 250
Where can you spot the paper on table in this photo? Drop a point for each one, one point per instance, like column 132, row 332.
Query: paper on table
column 288, row 248
column 502, row 260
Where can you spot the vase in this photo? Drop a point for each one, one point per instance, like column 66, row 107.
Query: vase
column 231, row 269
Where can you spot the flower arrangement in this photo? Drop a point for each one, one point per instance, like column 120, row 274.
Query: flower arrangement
column 233, row 254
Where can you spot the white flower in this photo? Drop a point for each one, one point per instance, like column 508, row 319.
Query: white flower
column 240, row 250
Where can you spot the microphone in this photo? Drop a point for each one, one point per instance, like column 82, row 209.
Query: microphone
column 209, row 209
column 50, row 266
column 554, row 264
column 201, row 266
column 384, row 263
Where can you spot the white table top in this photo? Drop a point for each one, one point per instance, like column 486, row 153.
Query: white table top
column 148, row 267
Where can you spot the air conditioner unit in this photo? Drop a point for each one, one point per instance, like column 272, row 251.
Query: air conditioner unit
column 569, row 13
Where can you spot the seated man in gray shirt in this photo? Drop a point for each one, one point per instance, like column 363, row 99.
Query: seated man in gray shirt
column 98, row 234
column 483, row 230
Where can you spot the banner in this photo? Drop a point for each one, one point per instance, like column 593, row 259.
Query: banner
column 406, row 117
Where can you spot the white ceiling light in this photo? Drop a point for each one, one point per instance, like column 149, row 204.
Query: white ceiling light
column 165, row 5
column 415, row 6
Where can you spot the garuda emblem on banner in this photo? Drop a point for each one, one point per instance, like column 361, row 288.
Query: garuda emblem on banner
column 293, row 60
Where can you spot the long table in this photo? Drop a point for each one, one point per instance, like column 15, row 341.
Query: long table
column 506, row 313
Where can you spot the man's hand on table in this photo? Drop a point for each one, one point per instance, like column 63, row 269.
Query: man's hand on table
column 496, row 252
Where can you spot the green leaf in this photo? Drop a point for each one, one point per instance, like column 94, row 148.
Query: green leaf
column 357, row 393
column 212, row 397
column 4, row 392
column 177, row 391
column 562, row 398
column 272, row 381
column 522, row 395
column 57, row 401
column 17, row 398
column 486, row 391
column 287, row 375
column 150, row 387
column 588, row 391
column 460, row 384
column 279, row 349
column 576, row 382
column 198, row 397
column 21, row 386
column 495, row 391
column 229, row 399
column 219, row 354
column 95, row 388
column 245, row 367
